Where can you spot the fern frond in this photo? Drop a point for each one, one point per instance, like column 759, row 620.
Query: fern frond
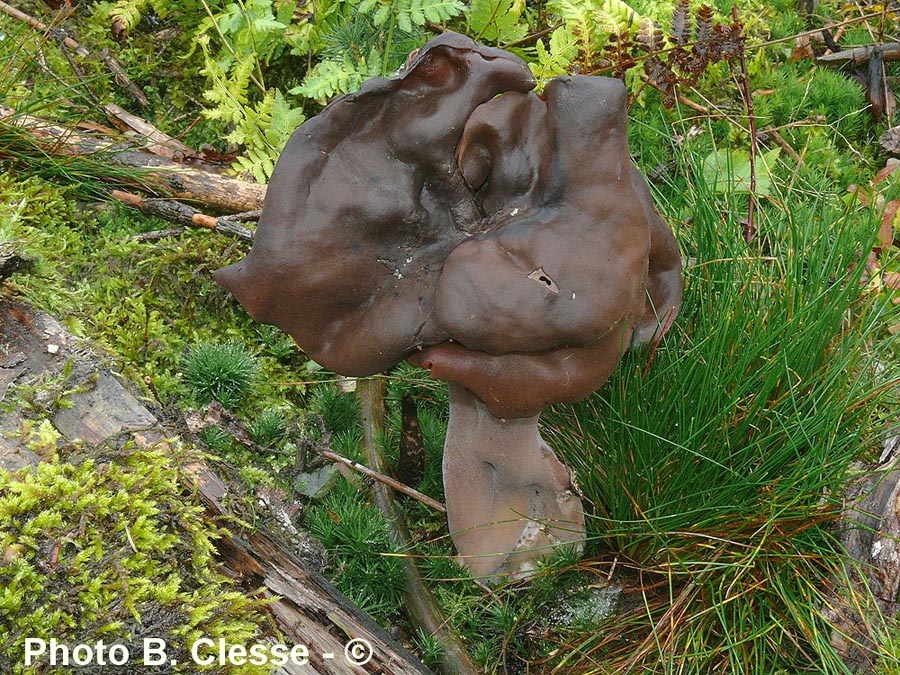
column 621, row 13
column 129, row 12
column 496, row 21
column 555, row 59
column 264, row 130
column 329, row 78
column 409, row 13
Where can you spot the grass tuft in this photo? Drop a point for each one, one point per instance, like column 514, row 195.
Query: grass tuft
column 269, row 427
column 714, row 466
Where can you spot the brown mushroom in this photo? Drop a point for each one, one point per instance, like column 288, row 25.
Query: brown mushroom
column 501, row 239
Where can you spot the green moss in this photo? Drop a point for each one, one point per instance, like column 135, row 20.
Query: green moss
column 358, row 537
column 93, row 548
column 268, row 427
column 220, row 372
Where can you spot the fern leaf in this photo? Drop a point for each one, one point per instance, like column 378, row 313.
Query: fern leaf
column 384, row 11
column 410, row 13
column 329, row 78
column 621, row 13
column 496, row 21
column 438, row 11
column 563, row 50
column 129, row 12
column 681, row 23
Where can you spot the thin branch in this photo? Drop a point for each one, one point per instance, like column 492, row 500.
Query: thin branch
column 750, row 227
column 44, row 28
column 177, row 212
column 859, row 55
column 381, row 478
column 533, row 37
column 778, row 140
column 808, row 33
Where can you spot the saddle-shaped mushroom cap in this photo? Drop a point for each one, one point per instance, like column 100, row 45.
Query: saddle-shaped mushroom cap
column 501, row 239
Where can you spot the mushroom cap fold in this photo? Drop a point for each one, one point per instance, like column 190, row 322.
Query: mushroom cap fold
column 503, row 239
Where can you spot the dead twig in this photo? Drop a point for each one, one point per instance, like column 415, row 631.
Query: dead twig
column 178, row 212
column 750, row 227
column 533, row 37
column 859, row 55
column 44, row 28
column 387, row 480
column 778, row 140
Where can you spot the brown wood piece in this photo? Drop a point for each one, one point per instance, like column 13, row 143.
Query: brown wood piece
column 411, row 462
column 871, row 537
column 173, row 180
column 158, row 143
column 858, row 55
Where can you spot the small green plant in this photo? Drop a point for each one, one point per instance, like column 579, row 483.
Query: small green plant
column 220, row 372
column 358, row 537
column 269, row 427
column 216, row 438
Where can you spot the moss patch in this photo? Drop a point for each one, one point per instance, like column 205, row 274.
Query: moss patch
column 92, row 547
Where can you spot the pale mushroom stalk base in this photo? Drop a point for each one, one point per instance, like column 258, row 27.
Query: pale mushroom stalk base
column 509, row 499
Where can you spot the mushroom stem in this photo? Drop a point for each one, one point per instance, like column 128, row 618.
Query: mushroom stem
column 509, row 499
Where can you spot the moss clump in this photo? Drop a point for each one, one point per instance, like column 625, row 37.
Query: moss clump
column 220, row 372
column 92, row 548
column 269, row 427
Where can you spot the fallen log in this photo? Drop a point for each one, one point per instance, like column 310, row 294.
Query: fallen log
column 183, row 182
column 307, row 609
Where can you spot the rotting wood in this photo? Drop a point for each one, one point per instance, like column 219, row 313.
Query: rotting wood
column 304, row 597
column 12, row 260
column 421, row 605
column 307, row 609
column 858, row 55
column 177, row 181
column 157, row 142
column 871, row 537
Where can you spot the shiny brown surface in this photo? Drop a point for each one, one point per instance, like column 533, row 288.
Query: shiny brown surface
column 447, row 214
